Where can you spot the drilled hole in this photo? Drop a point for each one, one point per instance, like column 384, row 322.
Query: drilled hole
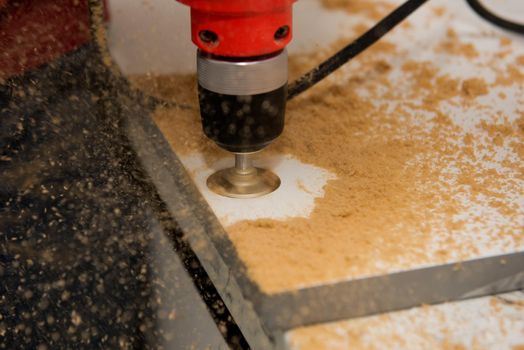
column 208, row 37
column 282, row 32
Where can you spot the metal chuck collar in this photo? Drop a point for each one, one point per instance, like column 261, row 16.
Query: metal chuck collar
column 242, row 107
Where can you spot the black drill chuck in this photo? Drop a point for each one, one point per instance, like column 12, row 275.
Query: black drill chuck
column 243, row 123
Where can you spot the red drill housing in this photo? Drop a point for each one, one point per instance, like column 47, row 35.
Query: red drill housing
column 241, row 28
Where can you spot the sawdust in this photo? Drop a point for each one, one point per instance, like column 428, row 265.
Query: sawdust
column 504, row 41
column 392, row 150
column 439, row 11
column 374, row 10
column 452, row 45
column 474, row 87
column 511, row 74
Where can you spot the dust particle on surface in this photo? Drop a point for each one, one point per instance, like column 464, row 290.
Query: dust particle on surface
column 474, row 87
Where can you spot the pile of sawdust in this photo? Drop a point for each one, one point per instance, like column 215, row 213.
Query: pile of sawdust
column 391, row 149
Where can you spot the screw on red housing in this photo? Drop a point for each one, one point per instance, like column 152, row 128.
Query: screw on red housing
column 241, row 28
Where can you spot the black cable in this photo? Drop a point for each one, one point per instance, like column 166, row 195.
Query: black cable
column 494, row 19
column 347, row 53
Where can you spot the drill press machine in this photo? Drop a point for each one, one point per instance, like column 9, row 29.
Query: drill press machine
column 242, row 84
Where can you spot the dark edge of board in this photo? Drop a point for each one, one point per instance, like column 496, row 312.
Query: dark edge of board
column 201, row 228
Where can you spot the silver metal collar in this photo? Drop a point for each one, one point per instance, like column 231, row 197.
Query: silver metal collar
column 242, row 78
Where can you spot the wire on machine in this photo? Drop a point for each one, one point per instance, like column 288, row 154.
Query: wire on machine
column 494, row 19
column 378, row 31
column 356, row 47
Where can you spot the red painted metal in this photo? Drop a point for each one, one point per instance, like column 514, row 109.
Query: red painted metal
column 244, row 28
